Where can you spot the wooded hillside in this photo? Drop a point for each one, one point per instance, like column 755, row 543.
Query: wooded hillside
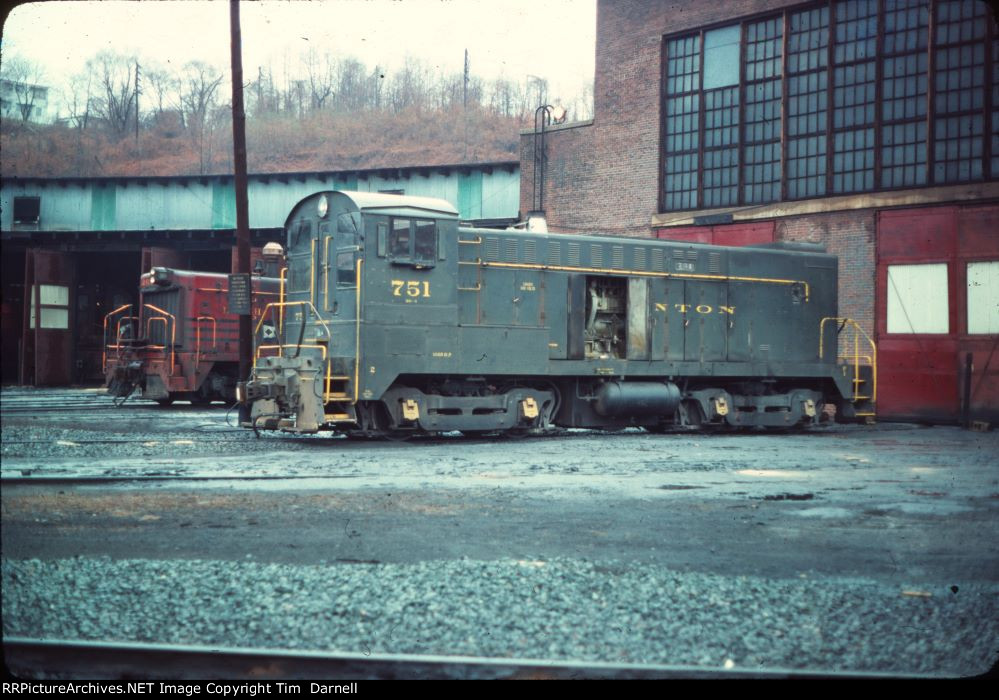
column 121, row 118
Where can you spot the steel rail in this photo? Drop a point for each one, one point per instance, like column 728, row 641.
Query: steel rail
column 63, row 480
column 72, row 659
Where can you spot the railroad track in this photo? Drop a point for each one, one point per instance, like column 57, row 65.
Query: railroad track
column 29, row 401
column 51, row 659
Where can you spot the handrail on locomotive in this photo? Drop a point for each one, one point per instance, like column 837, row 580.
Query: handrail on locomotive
column 870, row 360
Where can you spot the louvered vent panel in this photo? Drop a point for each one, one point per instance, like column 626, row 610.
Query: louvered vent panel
column 596, row 255
column 573, row 254
column 555, row 252
column 492, row 249
column 617, row 257
column 658, row 257
column 511, row 250
column 530, row 251
column 714, row 262
column 639, row 256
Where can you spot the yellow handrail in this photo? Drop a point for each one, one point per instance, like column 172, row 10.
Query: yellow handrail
column 173, row 333
column 107, row 345
column 872, row 359
column 197, row 345
column 282, row 347
column 357, row 331
column 284, row 271
column 326, row 274
column 281, row 304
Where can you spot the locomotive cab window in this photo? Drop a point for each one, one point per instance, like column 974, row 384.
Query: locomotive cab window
column 346, row 224
column 346, row 271
column 413, row 242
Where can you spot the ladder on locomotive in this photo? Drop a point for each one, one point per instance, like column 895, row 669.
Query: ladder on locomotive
column 863, row 366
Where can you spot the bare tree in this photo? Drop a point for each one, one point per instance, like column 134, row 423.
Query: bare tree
column 26, row 78
column 198, row 96
column 350, row 89
column 165, row 88
column 374, row 89
column 114, row 101
column 321, row 77
column 78, row 97
column 409, row 86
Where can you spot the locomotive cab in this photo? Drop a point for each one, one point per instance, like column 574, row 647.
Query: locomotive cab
column 311, row 378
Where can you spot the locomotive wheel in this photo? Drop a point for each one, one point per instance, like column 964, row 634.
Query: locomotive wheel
column 516, row 433
column 382, row 425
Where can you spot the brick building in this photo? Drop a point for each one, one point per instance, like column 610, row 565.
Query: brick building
column 869, row 126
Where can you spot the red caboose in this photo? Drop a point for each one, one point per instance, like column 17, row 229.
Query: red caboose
column 182, row 342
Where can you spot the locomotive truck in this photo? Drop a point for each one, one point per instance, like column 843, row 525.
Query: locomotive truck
column 397, row 321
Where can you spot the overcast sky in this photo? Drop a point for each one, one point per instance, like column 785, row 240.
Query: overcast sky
column 553, row 39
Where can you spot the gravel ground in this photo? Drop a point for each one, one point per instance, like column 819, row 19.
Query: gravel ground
column 557, row 609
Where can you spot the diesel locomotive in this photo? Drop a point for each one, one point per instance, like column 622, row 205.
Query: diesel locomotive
column 181, row 342
column 395, row 320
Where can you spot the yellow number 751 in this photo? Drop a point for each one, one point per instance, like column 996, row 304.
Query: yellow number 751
column 411, row 288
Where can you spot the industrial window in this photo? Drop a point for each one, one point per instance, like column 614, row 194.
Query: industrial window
column 917, row 300
column 27, row 210
column 835, row 97
column 983, row 297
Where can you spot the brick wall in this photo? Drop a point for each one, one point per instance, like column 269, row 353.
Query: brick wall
column 849, row 235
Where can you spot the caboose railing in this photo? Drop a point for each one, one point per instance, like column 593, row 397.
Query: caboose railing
column 855, row 359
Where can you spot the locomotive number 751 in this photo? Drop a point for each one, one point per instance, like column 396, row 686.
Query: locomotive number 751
column 411, row 288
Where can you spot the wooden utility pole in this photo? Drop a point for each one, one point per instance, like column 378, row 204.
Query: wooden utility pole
column 242, row 202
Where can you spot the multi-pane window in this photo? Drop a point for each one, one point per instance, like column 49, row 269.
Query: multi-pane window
column 959, row 82
column 832, row 97
column 683, row 57
column 761, row 163
column 904, row 92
